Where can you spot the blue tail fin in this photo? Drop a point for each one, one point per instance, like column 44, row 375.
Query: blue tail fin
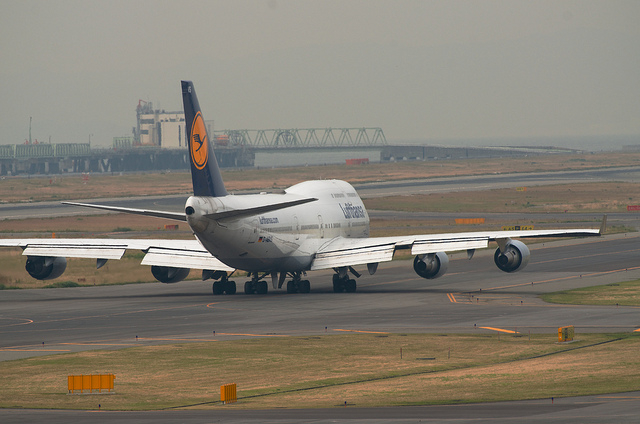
column 205, row 173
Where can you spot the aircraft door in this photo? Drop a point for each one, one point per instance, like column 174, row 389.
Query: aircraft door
column 321, row 226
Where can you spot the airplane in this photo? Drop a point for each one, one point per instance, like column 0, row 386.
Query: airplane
column 313, row 225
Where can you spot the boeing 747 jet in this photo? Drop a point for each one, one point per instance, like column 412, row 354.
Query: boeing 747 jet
column 276, row 238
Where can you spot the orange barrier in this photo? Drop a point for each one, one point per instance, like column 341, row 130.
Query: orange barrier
column 228, row 393
column 90, row 383
column 565, row 334
column 469, row 220
column 362, row 161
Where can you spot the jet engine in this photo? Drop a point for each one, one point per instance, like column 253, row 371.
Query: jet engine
column 432, row 265
column 514, row 257
column 169, row 274
column 45, row 267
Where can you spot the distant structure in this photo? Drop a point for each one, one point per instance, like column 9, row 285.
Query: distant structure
column 159, row 128
column 301, row 138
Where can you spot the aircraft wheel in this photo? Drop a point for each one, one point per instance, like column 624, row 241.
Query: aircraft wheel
column 338, row 285
column 304, row 286
column 291, row 287
column 350, row 286
column 262, row 287
column 248, row 288
column 230, row 287
column 218, row 288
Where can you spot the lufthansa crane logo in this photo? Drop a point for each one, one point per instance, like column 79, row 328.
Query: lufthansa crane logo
column 199, row 143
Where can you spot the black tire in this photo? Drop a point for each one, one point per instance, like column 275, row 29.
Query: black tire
column 304, row 286
column 218, row 288
column 230, row 287
column 291, row 287
column 350, row 286
column 262, row 287
column 248, row 288
column 338, row 285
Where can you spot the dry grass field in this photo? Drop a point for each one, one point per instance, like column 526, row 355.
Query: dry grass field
column 588, row 197
column 363, row 370
column 22, row 189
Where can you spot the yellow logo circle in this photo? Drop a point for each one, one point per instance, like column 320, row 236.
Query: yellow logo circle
column 199, row 143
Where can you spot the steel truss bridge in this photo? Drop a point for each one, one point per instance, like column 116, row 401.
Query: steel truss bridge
column 304, row 138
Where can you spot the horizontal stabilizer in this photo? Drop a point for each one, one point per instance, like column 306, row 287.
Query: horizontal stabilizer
column 178, row 216
column 237, row 213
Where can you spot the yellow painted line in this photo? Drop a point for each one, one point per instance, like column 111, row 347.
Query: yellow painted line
column 572, row 277
column 33, row 350
column 502, row 330
column 26, row 321
column 251, row 335
column 360, row 331
column 452, row 298
column 173, row 340
column 98, row 344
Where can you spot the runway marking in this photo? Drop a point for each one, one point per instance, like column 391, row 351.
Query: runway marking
column 174, row 340
column 252, row 335
column 563, row 278
column 583, row 256
column 97, row 344
column 123, row 313
column 8, row 349
column 26, row 321
column 452, row 298
column 502, row 330
column 361, row 331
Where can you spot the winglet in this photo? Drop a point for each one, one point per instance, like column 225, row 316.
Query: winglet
column 603, row 225
column 205, row 173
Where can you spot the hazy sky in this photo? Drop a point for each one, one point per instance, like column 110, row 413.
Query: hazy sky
column 418, row 69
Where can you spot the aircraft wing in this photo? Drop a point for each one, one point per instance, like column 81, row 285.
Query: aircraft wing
column 160, row 252
column 341, row 251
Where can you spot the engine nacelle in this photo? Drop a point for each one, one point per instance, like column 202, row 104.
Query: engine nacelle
column 432, row 265
column 514, row 258
column 169, row 274
column 45, row 267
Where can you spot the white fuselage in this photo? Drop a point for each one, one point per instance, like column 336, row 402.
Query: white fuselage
column 284, row 239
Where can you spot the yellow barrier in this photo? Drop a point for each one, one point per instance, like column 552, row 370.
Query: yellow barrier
column 228, row 393
column 517, row 227
column 469, row 220
column 565, row 334
column 90, row 383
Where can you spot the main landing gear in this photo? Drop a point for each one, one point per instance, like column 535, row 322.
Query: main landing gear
column 256, row 285
column 342, row 282
column 297, row 284
column 224, row 286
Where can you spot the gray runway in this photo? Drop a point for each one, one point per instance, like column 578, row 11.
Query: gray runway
column 621, row 408
column 472, row 294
